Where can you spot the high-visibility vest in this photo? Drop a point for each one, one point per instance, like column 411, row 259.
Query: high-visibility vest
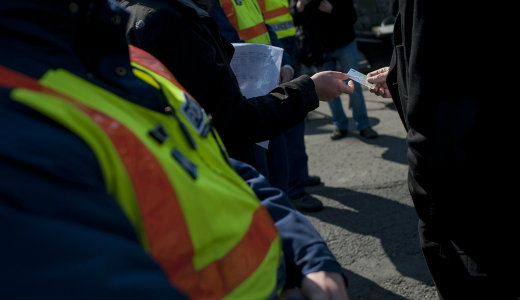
column 246, row 17
column 277, row 15
column 193, row 213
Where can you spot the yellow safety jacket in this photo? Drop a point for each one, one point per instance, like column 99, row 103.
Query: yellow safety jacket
column 193, row 213
column 246, row 17
column 277, row 15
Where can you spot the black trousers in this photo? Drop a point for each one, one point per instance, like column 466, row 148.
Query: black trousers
column 457, row 276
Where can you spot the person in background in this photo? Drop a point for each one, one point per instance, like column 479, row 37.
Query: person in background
column 285, row 161
column 277, row 15
column 456, row 155
column 115, row 184
column 323, row 19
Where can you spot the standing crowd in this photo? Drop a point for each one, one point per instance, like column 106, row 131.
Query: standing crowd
column 130, row 165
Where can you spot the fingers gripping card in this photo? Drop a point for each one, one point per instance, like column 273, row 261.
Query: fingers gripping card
column 360, row 77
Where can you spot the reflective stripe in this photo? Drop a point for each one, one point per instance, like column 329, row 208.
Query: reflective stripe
column 282, row 25
column 280, row 11
column 277, row 15
column 252, row 19
column 231, row 14
column 252, row 32
column 144, row 58
column 168, row 236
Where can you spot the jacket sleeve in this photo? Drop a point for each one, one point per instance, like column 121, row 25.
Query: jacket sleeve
column 304, row 249
column 63, row 235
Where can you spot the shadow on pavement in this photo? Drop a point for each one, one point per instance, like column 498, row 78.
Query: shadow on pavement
column 393, row 223
column 395, row 147
column 366, row 289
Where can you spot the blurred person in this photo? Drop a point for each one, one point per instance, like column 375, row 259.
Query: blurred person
column 330, row 25
column 278, row 16
column 456, row 156
column 115, row 184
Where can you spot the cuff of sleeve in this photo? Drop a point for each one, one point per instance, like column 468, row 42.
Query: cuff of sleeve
column 318, row 257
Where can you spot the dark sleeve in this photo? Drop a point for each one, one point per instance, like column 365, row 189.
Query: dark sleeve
column 63, row 235
column 304, row 249
column 201, row 65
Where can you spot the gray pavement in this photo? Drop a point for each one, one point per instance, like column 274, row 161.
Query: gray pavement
column 368, row 221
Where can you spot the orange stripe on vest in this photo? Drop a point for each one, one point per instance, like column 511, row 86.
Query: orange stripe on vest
column 252, row 32
column 246, row 33
column 144, row 58
column 272, row 13
column 166, row 231
column 231, row 15
column 280, row 11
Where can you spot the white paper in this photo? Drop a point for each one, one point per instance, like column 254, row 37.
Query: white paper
column 257, row 68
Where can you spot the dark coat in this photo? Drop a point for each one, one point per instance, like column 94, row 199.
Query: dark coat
column 457, row 152
column 187, row 40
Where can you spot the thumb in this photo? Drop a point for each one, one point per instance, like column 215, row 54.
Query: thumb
column 345, row 87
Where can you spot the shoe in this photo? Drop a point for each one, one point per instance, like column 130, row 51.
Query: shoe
column 369, row 133
column 313, row 180
column 338, row 134
column 306, row 202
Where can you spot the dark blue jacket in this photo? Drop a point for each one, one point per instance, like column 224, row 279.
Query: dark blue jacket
column 63, row 235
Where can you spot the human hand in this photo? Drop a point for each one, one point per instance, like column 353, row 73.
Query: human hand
column 319, row 286
column 286, row 74
column 378, row 77
column 325, row 6
column 329, row 84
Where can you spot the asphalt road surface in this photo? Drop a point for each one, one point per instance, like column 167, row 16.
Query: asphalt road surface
column 368, row 221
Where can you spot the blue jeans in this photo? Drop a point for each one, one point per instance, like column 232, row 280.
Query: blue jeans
column 347, row 57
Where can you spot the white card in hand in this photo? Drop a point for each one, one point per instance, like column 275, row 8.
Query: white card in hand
column 361, row 78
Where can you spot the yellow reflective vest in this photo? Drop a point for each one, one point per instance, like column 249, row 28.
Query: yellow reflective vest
column 168, row 171
column 247, row 19
column 276, row 14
